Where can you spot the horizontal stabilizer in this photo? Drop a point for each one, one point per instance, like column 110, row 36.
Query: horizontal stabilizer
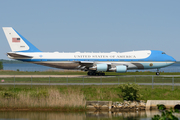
column 15, row 55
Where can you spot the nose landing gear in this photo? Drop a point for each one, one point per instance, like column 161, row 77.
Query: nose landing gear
column 158, row 73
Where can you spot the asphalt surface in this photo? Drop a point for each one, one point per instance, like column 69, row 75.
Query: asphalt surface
column 73, row 76
column 39, row 76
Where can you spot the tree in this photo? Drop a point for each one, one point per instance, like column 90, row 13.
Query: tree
column 130, row 91
column 1, row 65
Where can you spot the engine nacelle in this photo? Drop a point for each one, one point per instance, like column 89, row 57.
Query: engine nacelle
column 102, row 67
column 121, row 69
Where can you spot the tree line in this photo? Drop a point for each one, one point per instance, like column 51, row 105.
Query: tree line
column 1, row 65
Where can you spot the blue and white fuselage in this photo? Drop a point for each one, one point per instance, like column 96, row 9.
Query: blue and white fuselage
column 95, row 63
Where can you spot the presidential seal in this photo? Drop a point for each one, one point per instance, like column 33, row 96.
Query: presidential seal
column 151, row 64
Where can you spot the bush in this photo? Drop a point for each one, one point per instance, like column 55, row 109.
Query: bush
column 1, row 66
column 161, row 107
column 130, row 91
column 166, row 115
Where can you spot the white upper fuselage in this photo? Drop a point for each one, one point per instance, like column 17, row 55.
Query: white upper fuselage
column 88, row 55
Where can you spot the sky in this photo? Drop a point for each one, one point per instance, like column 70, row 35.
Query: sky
column 94, row 25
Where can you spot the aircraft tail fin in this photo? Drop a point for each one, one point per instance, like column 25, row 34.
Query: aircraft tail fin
column 17, row 42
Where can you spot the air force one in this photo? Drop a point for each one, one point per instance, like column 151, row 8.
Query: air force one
column 94, row 63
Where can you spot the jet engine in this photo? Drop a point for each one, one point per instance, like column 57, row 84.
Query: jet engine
column 119, row 69
column 102, row 67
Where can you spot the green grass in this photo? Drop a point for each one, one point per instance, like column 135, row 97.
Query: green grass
column 41, row 97
column 102, row 93
column 72, row 98
column 115, row 79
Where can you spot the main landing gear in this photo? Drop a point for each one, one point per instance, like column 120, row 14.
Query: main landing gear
column 96, row 73
column 158, row 73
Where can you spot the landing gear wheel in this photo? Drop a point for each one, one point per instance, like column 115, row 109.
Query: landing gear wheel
column 93, row 73
column 157, row 73
column 99, row 74
column 88, row 73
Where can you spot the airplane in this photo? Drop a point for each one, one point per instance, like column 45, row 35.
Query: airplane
column 94, row 63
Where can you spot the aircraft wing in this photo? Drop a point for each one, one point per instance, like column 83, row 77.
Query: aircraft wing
column 88, row 64
column 91, row 63
column 85, row 64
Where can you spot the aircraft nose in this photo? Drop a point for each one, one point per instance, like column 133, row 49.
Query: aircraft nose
column 172, row 59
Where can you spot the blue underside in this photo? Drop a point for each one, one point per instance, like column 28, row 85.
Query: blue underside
column 103, row 60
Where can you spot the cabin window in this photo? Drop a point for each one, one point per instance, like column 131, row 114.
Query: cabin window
column 163, row 53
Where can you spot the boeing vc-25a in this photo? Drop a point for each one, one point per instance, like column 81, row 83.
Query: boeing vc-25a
column 94, row 63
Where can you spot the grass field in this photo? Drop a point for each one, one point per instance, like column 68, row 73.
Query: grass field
column 115, row 79
column 70, row 98
column 74, row 97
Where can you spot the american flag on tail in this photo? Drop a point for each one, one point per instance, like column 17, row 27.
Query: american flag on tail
column 15, row 39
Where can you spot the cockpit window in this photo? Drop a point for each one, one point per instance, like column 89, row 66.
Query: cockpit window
column 163, row 53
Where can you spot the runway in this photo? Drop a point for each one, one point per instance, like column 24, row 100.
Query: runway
column 40, row 76
column 76, row 76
